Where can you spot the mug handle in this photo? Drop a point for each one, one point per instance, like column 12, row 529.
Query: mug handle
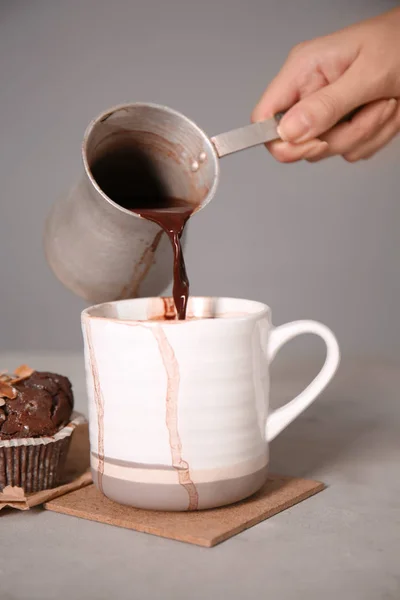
column 281, row 417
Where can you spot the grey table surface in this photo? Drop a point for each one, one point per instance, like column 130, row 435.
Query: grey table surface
column 344, row 541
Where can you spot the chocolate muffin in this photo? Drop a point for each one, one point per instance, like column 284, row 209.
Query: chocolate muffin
column 39, row 405
column 35, row 410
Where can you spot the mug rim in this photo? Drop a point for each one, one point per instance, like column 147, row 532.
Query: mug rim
column 264, row 310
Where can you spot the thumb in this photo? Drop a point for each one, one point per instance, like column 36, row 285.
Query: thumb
column 317, row 113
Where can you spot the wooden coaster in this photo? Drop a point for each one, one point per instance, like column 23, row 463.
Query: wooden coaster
column 204, row 528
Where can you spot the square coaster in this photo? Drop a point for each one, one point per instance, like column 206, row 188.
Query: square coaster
column 203, row 528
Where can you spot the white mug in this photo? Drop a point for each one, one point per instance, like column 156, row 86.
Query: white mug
column 178, row 410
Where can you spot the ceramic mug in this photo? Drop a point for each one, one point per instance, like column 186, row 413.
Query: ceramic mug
column 178, row 410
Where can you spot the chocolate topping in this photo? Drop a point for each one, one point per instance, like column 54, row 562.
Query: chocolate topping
column 42, row 404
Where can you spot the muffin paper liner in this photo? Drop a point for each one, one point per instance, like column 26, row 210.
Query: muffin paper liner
column 34, row 464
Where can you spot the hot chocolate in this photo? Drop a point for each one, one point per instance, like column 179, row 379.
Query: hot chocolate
column 173, row 220
column 130, row 179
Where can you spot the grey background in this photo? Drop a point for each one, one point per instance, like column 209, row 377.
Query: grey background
column 319, row 241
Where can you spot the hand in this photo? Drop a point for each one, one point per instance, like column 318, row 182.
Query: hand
column 324, row 79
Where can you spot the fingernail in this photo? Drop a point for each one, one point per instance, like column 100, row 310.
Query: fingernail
column 294, row 128
column 317, row 150
column 388, row 110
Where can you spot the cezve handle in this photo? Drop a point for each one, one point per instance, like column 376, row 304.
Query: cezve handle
column 281, row 417
column 255, row 134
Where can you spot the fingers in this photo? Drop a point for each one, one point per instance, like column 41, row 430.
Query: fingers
column 281, row 93
column 348, row 137
column 288, row 86
column 287, row 153
column 320, row 111
column 369, row 131
column 377, row 142
column 371, row 128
